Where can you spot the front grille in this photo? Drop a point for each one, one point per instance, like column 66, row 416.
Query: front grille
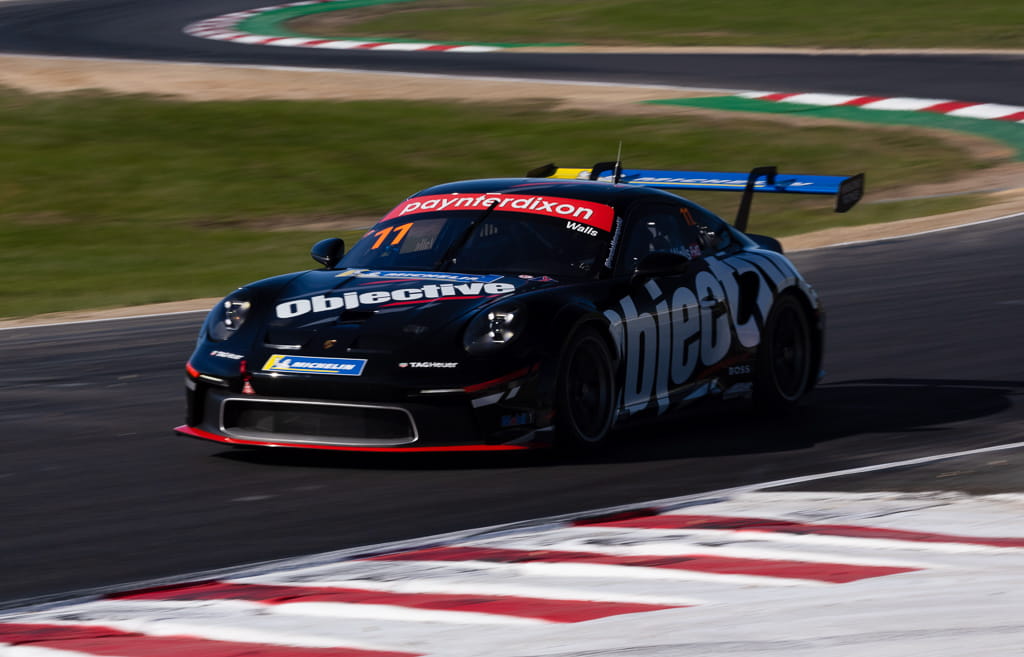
column 313, row 422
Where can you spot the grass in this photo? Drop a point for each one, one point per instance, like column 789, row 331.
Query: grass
column 112, row 201
column 809, row 23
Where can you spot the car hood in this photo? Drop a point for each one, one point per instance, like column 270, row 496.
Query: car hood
column 381, row 304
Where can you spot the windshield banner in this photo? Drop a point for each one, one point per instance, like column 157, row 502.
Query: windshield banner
column 592, row 214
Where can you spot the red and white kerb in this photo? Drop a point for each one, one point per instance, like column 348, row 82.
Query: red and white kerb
column 597, row 215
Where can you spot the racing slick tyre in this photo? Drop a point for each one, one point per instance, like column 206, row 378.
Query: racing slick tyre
column 784, row 359
column 585, row 395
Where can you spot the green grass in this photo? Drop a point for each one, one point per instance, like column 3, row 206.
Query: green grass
column 112, row 201
column 811, row 23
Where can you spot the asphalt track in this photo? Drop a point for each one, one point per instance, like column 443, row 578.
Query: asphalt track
column 149, row 29
column 924, row 358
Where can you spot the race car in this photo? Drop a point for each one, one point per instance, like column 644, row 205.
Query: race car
column 505, row 314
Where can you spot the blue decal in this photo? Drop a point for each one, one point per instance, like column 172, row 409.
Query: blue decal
column 419, row 275
column 315, row 365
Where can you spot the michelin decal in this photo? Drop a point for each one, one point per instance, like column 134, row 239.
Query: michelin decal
column 315, row 365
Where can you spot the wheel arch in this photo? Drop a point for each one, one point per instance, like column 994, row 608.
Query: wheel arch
column 816, row 321
column 567, row 322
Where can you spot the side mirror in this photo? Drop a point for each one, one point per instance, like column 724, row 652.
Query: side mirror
column 328, row 252
column 765, row 242
column 661, row 263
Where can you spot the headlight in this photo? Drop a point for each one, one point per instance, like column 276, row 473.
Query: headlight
column 494, row 328
column 228, row 316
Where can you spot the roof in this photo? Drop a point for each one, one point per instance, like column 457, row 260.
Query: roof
column 599, row 192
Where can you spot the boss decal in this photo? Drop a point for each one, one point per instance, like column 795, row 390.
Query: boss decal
column 593, row 214
column 315, row 365
column 349, row 300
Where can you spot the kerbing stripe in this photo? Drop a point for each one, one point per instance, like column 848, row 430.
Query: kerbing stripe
column 986, row 111
column 863, row 100
column 947, row 107
column 964, row 109
column 107, row 641
column 764, row 525
column 547, row 609
column 832, row 573
column 223, row 28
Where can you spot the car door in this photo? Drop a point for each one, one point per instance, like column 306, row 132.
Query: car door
column 672, row 327
column 751, row 280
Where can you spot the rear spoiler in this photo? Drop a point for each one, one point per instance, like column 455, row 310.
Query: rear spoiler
column 847, row 190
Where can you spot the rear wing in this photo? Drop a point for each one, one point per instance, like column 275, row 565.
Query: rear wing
column 847, row 190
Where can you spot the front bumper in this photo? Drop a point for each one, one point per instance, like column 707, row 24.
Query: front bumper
column 501, row 416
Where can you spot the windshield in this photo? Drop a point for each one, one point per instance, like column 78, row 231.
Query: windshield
column 498, row 242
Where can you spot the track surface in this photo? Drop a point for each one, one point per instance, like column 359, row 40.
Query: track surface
column 924, row 358
column 152, row 30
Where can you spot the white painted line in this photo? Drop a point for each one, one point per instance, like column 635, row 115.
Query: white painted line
column 331, row 560
column 161, row 623
column 626, row 572
column 671, row 546
column 406, row 581
column 878, row 468
column 1017, row 215
column 816, row 248
column 395, row 613
column 102, row 319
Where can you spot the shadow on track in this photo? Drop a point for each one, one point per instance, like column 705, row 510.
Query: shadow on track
column 835, row 411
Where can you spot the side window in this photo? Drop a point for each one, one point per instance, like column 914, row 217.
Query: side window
column 659, row 227
column 714, row 233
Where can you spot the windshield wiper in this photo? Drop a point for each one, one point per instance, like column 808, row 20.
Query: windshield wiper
column 446, row 259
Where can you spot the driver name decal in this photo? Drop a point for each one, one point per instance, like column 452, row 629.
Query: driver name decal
column 347, row 301
column 593, row 214
column 581, row 228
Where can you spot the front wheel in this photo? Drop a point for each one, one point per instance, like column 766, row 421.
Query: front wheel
column 785, row 357
column 585, row 402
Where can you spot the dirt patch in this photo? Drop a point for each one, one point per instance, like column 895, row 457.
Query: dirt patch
column 202, row 82
column 1008, row 203
column 111, row 313
column 205, row 82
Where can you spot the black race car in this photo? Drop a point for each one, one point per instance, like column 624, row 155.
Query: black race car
column 512, row 313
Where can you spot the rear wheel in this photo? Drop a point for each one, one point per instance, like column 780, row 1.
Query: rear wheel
column 585, row 403
column 785, row 357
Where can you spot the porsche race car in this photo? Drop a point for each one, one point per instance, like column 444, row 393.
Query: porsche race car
column 504, row 314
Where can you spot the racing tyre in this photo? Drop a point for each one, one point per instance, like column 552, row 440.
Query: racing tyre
column 585, row 402
column 785, row 357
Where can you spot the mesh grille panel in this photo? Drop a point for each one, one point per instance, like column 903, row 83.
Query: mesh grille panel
column 324, row 423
